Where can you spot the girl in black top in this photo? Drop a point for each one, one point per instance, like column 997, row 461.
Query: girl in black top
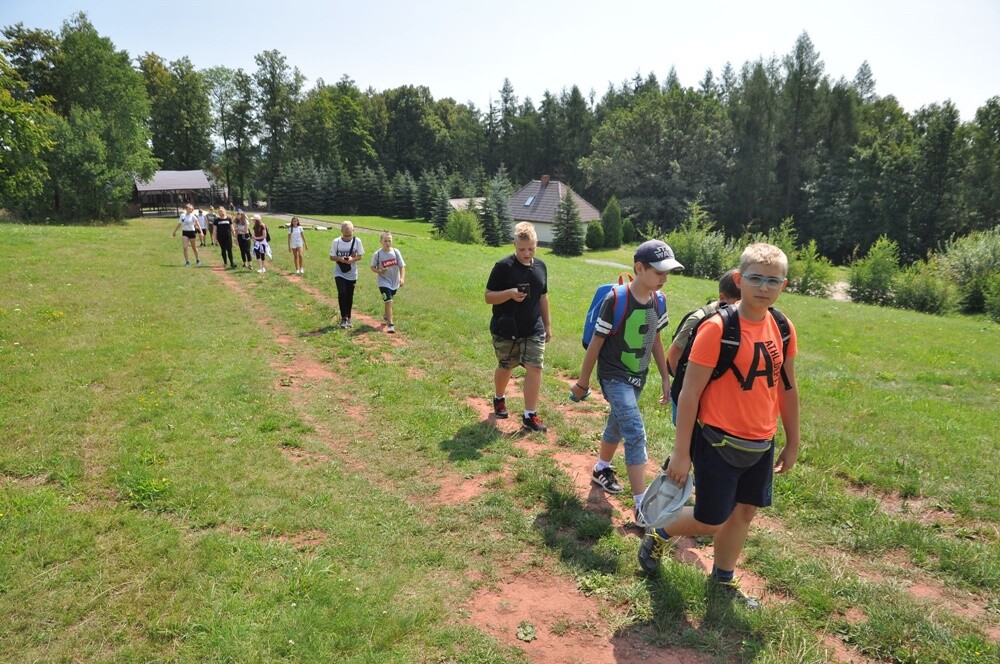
column 224, row 236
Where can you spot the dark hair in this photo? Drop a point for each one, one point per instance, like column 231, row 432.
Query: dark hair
column 727, row 286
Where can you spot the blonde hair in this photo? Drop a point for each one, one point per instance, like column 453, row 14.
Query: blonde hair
column 761, row 253
column 384, row 235
column 525, row 231
column 222, row 211
column 347, row 224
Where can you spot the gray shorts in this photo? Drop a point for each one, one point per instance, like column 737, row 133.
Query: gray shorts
column 529, row 351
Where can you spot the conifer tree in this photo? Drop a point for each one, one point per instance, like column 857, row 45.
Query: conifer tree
column 611, row 223
column 442, row 208
column 567, row 231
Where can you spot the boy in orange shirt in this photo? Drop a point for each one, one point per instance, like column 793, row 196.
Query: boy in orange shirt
column 726, row 426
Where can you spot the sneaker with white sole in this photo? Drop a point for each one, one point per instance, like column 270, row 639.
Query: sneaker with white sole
column 607, row 480
column 390, row 328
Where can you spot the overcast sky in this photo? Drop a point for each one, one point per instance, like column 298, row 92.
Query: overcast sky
column 921, row 51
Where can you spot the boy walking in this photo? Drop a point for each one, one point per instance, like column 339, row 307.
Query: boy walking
column 728, row 294
column 622, row 351
column 739, row 408
column 520, row 326
column 388, row 264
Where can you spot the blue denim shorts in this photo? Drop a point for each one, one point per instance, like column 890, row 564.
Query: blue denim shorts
column 625, row 420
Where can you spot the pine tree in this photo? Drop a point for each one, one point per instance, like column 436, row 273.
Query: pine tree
column 488, row 221
column 442, row 208
column 567, row 231
column 499, row 194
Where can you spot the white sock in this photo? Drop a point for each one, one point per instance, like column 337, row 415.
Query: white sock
column 529, row 413
column 601, row 465
column 638, row 498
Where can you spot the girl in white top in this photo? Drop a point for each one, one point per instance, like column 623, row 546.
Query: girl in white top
column 296, row 243
column 190, row 229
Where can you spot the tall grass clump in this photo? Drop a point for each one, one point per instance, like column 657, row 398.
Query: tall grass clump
column 971, row 261
column 923, row 286
column 871, row 278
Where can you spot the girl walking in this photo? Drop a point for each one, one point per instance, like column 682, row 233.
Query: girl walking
column 297, row 243
column 242, row 230
column 224, row 235
column 261, row 249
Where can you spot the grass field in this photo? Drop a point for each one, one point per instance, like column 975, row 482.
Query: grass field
column 197, row 465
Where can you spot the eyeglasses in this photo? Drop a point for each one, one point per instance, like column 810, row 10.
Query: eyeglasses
column 756, row 280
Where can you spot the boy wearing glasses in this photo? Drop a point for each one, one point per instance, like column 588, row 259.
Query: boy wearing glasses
column 726, row 426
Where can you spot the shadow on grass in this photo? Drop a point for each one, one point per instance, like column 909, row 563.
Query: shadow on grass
column 571, row 528
column 467, row 443
column 320, row 331
column 724, row 628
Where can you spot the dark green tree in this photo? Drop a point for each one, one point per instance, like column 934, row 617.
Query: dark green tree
column 442, row 208
column 103, row 139
column 243, row 125
column 403, row 192
column 25, row 141
column 180, row 112
column 611, row 224
column 567, row 230
column 595, row 235
column 797, row 135
column 981, row 182
column 278, row 89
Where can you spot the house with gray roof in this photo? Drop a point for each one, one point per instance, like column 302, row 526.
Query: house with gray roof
column 538, row 201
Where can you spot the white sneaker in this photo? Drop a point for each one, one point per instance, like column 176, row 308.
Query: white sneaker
column 260, row 271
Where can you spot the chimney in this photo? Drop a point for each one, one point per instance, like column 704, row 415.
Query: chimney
column 545, row 180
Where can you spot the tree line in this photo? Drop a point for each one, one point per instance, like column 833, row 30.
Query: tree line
column 773, row 140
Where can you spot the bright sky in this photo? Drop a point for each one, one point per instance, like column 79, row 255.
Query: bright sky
column 921, row 51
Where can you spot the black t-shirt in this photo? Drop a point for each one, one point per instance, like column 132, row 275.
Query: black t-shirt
column 527, row 315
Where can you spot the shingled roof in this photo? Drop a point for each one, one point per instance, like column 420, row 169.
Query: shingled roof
column 537, row 202
column 174, row 181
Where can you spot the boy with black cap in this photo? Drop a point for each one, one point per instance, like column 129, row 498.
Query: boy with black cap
column 622, row 353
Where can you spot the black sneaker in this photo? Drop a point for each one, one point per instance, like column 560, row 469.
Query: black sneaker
column 500, row 408
column 651, row 550
column 731, row 590
column 607, row 480
column 533, row 423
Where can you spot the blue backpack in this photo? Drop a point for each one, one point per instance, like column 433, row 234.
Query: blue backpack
column 621, row 301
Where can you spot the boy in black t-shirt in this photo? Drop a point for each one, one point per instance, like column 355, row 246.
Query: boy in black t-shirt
column 520, row 326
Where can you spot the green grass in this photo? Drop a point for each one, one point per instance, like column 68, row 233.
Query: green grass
column 150, row 508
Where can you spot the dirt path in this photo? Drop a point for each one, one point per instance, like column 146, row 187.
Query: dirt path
column 568, row 625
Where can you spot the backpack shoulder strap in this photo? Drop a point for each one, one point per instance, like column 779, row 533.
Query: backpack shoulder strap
column 661, row 303
column 786, row 335
column 621, row 303
column 730, row 339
